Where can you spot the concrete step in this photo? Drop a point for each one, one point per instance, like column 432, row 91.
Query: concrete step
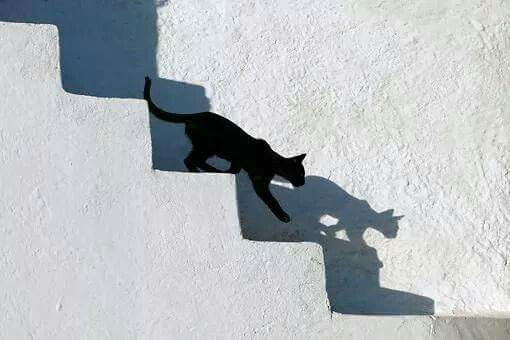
column 97, row 244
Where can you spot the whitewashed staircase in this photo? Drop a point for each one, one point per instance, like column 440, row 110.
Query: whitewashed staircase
column 94, row 244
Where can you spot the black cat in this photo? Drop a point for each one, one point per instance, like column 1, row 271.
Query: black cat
column 213, row 135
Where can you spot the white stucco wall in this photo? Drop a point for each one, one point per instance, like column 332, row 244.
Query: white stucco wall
column 96, row 244
column 402, row 104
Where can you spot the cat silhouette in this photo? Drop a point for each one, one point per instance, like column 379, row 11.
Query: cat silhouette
column 214, row 135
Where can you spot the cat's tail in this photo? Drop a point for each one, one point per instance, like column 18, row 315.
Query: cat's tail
column 161, row 114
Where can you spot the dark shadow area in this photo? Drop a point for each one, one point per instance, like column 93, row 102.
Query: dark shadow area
column 319, row 210
column 106, row 49
column 170, row 145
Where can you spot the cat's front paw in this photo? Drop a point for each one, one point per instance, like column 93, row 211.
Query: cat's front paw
column 284, row 217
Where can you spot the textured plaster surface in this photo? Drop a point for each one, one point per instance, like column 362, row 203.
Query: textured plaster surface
column 96, row 244
column 400, row 104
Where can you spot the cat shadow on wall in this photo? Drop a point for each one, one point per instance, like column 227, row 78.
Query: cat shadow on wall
column 325, row 214
column 106, row 50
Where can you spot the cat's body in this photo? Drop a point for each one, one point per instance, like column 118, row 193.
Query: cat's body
column 213, row 135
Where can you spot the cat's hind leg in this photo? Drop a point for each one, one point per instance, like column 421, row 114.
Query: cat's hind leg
column 207, row 167
column 191, row 162
column 197, row 159
column 233, row 169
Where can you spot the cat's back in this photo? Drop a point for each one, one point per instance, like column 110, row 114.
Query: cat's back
column 218, row 125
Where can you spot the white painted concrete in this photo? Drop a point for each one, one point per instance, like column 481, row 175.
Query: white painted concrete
column 402, row 104
column 98, row 245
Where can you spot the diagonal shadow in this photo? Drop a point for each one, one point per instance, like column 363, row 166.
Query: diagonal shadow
column 319, row 210
column 106, row 49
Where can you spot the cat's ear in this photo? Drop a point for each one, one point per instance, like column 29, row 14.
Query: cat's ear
column 389, row 213
column 299, row 159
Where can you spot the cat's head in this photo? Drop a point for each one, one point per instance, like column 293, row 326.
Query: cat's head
column 293, row 171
